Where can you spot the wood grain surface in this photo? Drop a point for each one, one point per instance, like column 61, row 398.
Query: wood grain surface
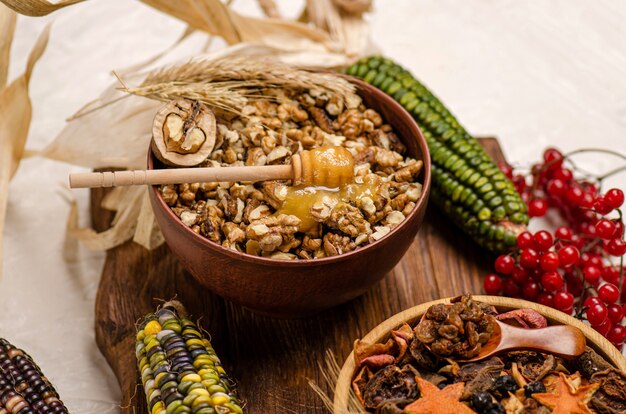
column 272, row 360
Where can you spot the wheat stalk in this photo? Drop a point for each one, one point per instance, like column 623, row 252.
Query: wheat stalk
column 330, row 375
column 229, row 83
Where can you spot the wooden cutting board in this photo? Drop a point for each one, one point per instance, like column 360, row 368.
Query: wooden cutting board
column 273, row 360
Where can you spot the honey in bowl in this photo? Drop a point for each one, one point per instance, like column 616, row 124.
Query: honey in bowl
column 305, row 201
column 327, row 180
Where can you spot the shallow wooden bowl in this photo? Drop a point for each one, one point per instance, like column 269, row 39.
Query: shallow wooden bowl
column 381, row 332
column 301, row 287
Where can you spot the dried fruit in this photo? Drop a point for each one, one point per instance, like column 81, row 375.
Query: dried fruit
column 458, row 329
column 433, row 400
column 403, row 376
column 568, row 398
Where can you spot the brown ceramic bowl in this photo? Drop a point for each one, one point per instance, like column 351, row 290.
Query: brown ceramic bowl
column 343, row 400
column 300, row 287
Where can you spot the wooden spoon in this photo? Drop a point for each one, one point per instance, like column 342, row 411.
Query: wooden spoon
column 324, row 166
column 564, row 341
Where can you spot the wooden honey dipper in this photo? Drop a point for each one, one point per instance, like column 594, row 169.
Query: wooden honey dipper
column 324, row 166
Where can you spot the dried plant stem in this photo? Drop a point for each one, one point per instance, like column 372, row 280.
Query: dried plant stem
column 330, row 374
column 228, row 83
column 269, row 8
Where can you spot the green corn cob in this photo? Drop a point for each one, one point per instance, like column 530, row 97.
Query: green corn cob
column 179, row 369
column 466, row 183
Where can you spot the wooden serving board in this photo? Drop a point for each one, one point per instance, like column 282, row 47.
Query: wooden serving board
column 271, row 359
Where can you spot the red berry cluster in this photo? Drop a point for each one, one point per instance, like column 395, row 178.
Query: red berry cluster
column 573, row 269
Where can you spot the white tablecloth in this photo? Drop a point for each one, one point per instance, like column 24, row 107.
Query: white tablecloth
column 533, row 73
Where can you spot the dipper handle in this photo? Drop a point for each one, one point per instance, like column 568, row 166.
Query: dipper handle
column 180, row 175
column 325, row 166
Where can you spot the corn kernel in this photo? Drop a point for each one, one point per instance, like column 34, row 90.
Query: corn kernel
column 158, row 408
column 200, row 391
column 220, row 399
column 152, row 328
column 192, row 378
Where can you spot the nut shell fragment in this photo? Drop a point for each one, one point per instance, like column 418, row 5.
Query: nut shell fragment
column 183, row 133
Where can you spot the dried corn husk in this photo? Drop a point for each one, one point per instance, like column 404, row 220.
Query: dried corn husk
column 7, row 29
column 217, row 18
column 15, row 109
column 38, row 7
column 344, row 27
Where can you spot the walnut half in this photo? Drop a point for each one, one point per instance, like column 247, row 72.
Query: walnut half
column 183, row 133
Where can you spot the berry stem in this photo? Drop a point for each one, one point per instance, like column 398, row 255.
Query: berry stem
column 610, row 173
column 621, row 259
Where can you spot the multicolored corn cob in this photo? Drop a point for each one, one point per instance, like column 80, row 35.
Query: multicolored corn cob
column 466, row 184
column 23, row 388
column 179, row 369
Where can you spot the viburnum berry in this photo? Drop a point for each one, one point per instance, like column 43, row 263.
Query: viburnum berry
column 569, row 256
column 546, row 299
column 525, row 240
column 601, row 206
column 556, row 187
column 549, row 261
column 492, row 284
column 530, row 290
column 506, row 169
column 529, row 258
column 614, row 198
column 563, row 174
column 590, row 301
column 510, row 288
column 597, row 314
column 552, row 281
column 574, row 196
column 610, row 274
column 592, row 275
column 605, row 229
column 553, row 159
column 563, row 301
column 604, row 328
column 609, row 293
column 619, row 230
column 519, row 275
column 537, row 207
column 617, row 335
column 543, row 240
column 587, row 200
column 590, row 259
column 615, row 247
column 563, row 233
column 504, row 264
column 616, row 313
column 575, row 285
column 577, row 241
column 519, row 181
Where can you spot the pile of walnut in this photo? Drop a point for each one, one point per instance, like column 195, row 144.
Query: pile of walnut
column 241, row 216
